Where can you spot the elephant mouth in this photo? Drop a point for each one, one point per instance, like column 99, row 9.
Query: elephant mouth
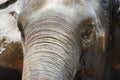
column 49, row 52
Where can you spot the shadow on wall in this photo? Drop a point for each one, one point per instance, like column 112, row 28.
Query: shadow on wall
column 9, row 74
column 115, row 74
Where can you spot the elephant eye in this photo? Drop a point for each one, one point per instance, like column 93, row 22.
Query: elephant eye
column 88, row 33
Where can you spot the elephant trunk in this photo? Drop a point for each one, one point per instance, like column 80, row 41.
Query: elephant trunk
column 52, row 49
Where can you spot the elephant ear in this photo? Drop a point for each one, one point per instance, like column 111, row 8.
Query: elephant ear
column 114, row 10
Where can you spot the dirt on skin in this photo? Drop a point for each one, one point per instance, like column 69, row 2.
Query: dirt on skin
column 12, row 54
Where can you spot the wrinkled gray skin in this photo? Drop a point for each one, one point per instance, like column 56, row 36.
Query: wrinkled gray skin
column 62, row 38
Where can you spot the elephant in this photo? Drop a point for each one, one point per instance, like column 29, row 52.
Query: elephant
column 67, row 39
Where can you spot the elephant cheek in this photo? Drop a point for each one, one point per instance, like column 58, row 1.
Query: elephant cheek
column 52, row 51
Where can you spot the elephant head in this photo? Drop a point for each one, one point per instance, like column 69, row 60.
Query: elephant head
column 64, row 37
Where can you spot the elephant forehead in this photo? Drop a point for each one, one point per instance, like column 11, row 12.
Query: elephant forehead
column 38, row 4
column 70, row 8
column 65, row 6
column 73, row 11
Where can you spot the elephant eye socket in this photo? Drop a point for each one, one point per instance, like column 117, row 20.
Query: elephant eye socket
column 88, row 33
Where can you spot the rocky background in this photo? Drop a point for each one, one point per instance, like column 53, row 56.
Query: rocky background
column 11, row 52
